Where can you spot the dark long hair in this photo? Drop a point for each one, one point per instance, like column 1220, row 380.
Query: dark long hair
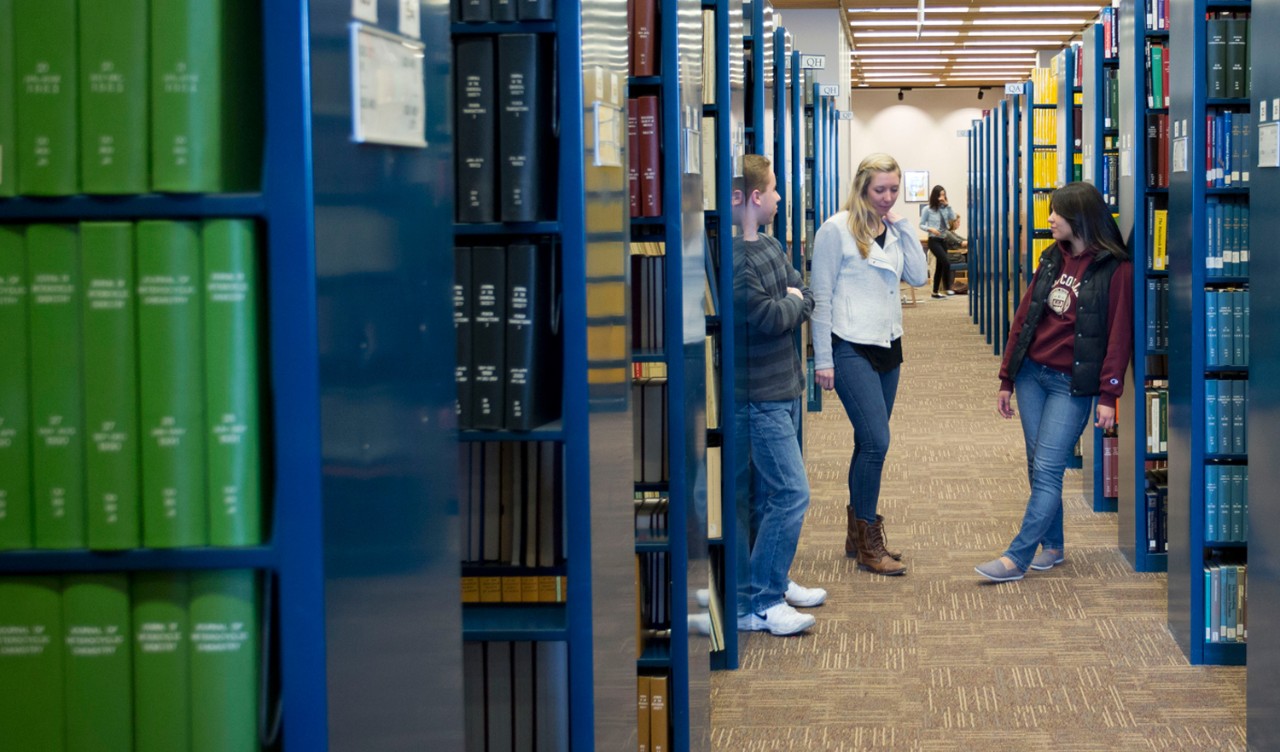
column 1081, row 206
column 935, row 197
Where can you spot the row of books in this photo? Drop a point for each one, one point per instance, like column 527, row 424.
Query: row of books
column 652, row 514
column 1226, row 603
column 129, row 391
column 1044, row 125
column 1227, row 54
column 649, row 423
column 1157, row 506
column 1226, row 322
column 484, row 11
column 1157, row 15
column 148, row 661
column 1109, row 17
column 1110, row 466
column 1225, row 416
column 1157, row 233
column 130, row 96
column 1227, row 237
column 506, row 316
column 1157, row 146
column 1044, row 168
column 649, row 297
column 1227, row 149
column 1109, row 177
column 512, row 503
column 1157, row 317
column 1109, row 99
column 515, row 696
column 1157, row 407
column 1040, row 211
column 522, row 588
column 1226, row 503
column 655, row 590
column 653, row 719
column 644, row 144
column 1046, row 90
column 504, row 90
column 1156, row 71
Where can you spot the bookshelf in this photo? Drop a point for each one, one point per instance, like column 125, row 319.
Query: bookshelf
column 1195, row 279
column 1141, row 519
column 1099, row 162
column 1263, row 725
column 821, row 195
column 323, row 578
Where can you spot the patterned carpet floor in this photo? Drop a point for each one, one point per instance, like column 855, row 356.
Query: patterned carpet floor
column 1074, row 659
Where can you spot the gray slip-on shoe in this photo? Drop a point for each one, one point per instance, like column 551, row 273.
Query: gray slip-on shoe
column 996, row 571
column 1048, row 558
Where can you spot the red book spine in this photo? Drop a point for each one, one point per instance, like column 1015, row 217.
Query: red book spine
column 633, row 155
column 644, row 38
column 650, row 157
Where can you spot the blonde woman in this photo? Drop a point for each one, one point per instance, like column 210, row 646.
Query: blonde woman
column 859, row 257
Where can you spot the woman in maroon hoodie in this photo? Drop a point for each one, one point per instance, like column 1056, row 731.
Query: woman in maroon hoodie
column 1070, row 342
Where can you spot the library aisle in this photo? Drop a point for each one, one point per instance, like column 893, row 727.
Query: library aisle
column 1076, row 658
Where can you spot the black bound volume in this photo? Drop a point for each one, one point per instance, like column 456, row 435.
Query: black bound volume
column 533, row 342
column 526, row 152
column 462, row 329
column 535, row 10
column 475, row 134
column 504, row 10
column 488, row 336
column 472, row 11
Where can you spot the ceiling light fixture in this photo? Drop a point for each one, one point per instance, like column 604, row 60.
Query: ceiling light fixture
column 981, row 91
column 901, row 94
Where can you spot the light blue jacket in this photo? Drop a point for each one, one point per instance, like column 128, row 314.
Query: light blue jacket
column 857, row 299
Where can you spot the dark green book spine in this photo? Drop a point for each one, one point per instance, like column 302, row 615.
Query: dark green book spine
column 31, row 684
column 98, row 662
column 231, row 380
column 16, row 530
column 113, row 96
column 57, row 402
column 8, row 117
column 45, row 64
column 225, row 658
column 171, row 385
column 206, row 122
column 112, row 486
column 161, row 662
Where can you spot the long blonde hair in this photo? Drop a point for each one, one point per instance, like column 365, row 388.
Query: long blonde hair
column 865, row 225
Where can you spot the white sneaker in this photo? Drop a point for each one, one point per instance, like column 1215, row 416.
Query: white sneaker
column 804, row 597
column 778, row 620
column 702, row 596
column 700, row 624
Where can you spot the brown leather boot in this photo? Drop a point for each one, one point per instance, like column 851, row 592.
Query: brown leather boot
column 852, row 537
column 871, row 554
column 895, row 555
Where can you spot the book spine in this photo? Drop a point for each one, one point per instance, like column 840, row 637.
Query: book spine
column 488, row 340
column 476, row 123
column 1216, row 58
column 206, row 95
column 533, row 376
column 525, row 150
column 8, row 115
column 161, row 662
column 633, row 156
column 644, row 38
column 32, row 691
column 57, row 407
column 171, row 383
column 113, row 96
column 230, row 273
column 110, row 386
column 650, row 156
column 45, row 67
column 463, row 313
column 98, row 662
column 535, row 10
column 16, row 530
column 225, row 658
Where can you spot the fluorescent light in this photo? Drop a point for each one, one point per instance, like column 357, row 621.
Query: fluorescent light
column 976, row 68
column 970, row 43
column 1011, row 76
column 1024, row 33
column 909, row 10
column 897, row 75
column 894, row 49
column 927, row 22
column 906, row 80
column 1076, row 22
column 902, row 34
column 867, row 69
column 1041, row 8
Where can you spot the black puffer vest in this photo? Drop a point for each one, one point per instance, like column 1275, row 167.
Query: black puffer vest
column 1093, row 302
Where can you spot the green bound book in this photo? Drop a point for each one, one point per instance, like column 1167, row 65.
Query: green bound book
column 110, row 386
column 224, row 661
column 171, row 385
column 45, row 65
column 8, row 119
column 97, row 662
column 31, row 692
column 57, row 405
column 231, row 382
column 206, row 95
column 161, row 662
column 113, row 96
column 16, row 529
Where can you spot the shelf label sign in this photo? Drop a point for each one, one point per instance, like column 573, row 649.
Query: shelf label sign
column 365, row 10
column 813, row 62
column 829, row 90
column 1178, row 155
column 1014, row 89
column 1269, row 144
column 410, row 18
column 389, row 103
column 845, row 115
column 963, row 134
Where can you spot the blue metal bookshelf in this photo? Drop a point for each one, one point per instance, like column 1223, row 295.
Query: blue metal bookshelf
column 1139, row 528
column 1191, row 547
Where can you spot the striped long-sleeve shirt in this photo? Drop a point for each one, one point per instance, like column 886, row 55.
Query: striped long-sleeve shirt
column 762, row 275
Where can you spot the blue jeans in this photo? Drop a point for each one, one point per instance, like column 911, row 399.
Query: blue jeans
column 1052, row 421
column 781, row 498
column 868, row 401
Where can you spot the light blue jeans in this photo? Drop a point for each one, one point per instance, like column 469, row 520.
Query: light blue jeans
column 1052, row 421
column 781, row 497
column 868, row 399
